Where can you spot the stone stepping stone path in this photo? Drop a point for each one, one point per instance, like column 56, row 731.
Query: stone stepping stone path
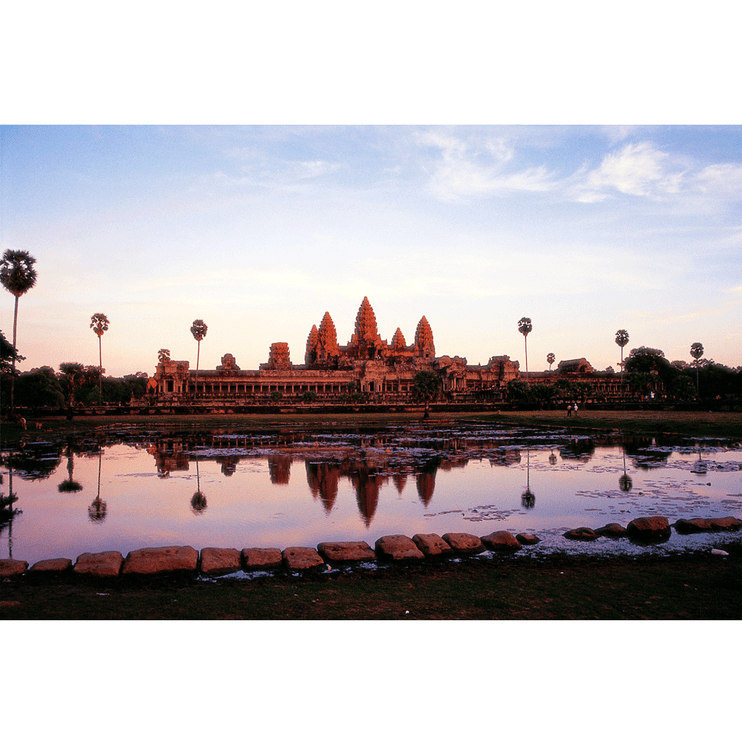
column 214, row 562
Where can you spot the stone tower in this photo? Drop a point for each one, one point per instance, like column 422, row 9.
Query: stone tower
column 279, row 356
column 310, row 354
column 327, row 348
column 424, row 345
column 398, row 342
column 366, row 342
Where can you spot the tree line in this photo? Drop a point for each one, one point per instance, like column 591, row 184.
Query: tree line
column 74, row 385
column 646, row 371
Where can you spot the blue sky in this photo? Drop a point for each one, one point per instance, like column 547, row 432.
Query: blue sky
column 258, row 230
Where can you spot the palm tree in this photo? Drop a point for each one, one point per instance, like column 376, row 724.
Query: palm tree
column 550, row 359
column 525, row 326
column 99, row 323
column 622, row 340
column 198, row 330
column 17, row 275
column 696, row 350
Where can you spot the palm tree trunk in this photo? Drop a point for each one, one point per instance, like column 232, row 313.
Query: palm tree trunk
column 100, row 370
column 525, row 340
column 198, row 357
column 12, row 376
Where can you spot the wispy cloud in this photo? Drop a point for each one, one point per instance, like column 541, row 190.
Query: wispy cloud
column 635, row 170
column 464, row 170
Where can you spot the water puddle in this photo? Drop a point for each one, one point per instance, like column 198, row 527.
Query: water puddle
column 129, row 487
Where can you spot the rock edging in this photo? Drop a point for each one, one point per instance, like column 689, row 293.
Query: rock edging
column 214, row 561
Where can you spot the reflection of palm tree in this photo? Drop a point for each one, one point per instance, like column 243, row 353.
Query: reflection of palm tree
column 528, row 499
column 198, row 501
column 624, row 481
column 69, row 484
column 700, row 467
column 97, row 509
column 7, row 512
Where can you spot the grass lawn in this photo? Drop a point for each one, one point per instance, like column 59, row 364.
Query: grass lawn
column 725, row 424
column 690, row 587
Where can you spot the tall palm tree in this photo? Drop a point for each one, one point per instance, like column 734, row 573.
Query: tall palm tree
column 17, row 275
column 525, row 326
column 622, row 340
column 198, row 330
column 696, row 350
column 550, row 359
column 99, row 323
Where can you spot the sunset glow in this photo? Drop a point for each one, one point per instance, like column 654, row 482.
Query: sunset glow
column 260, row 230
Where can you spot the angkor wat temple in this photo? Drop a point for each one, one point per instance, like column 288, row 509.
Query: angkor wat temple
column 367, row 369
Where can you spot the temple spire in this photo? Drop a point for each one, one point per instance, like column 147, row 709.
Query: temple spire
column 424, row 345
column 366, row 342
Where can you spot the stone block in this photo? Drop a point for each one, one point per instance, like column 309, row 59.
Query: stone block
column 52, row 565
column 160, row 560
column 346, row 551
column 581, row 534
column 257, row 558
column 301, row 558
column 528, row 539
column 431, row 544
column 693, row 525
column 12, row 567
column 215, row 561
column 100, row 564
column 729, row 523
column 501, row 541
column 652, row 528
column 464, row 543
column 397, row 548
column 612, row 530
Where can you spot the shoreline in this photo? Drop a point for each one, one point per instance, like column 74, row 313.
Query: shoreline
column 639, row 422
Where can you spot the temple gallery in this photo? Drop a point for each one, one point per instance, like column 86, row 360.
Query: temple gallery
column 367, row 369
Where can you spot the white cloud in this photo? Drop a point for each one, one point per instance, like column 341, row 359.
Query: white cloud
column 635, row 170
column 467, row 171
column 720, row 180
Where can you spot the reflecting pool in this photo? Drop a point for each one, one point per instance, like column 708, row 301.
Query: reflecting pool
column 128, row 487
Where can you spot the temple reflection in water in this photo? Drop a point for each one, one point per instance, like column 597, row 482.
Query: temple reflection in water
column 303, row 484
column 367, row 468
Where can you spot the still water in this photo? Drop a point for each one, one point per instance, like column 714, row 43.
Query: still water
column 130, row 487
